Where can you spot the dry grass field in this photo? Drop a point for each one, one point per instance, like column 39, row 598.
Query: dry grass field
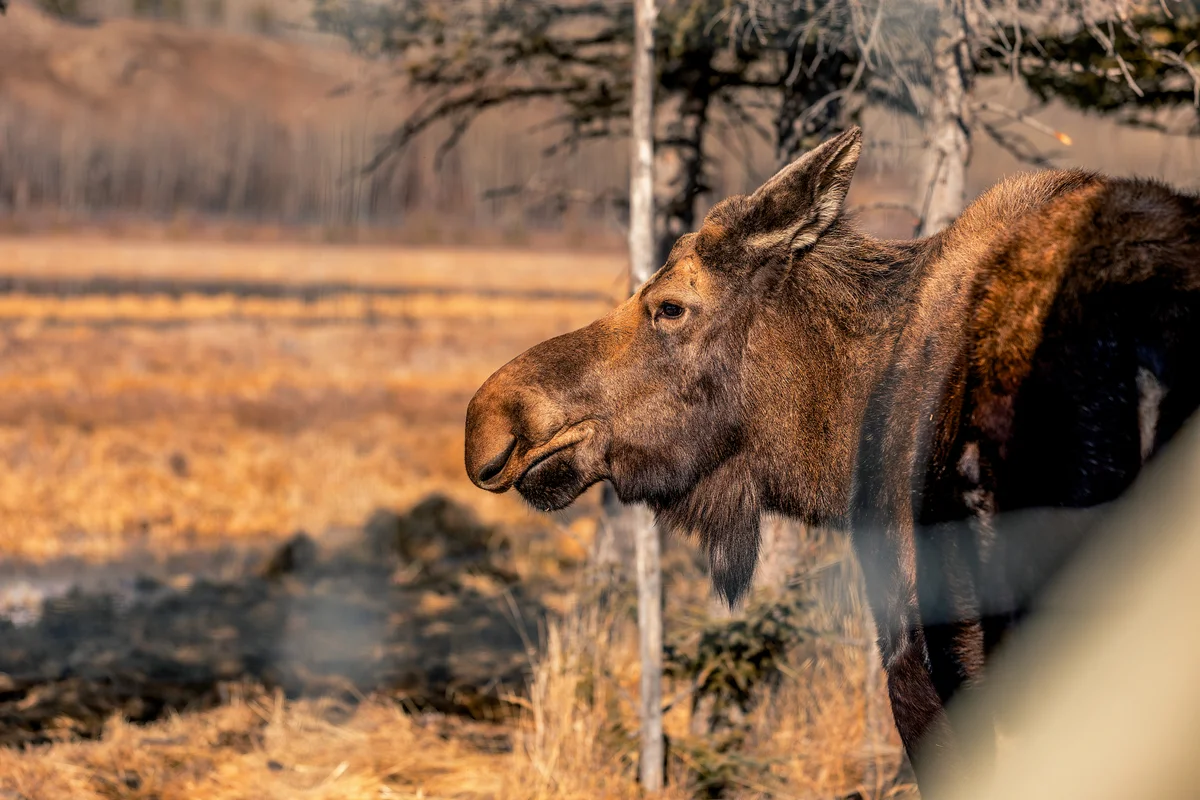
column 169, row 421
column 161, row 399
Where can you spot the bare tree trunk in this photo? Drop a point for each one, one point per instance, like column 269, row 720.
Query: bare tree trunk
column 779, row 552
column 949, row 125
column 613, row 554
column 642, row 263
column 679, row 169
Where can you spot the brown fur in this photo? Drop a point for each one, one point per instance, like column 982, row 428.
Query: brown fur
column 922, row 393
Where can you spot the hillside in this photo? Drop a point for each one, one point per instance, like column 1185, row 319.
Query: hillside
column 159, row 119
column 125, row 69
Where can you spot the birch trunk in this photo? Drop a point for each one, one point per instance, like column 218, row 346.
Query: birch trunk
column 779, row 553
column 949, row 124
column 642, row 262
column 679, row 170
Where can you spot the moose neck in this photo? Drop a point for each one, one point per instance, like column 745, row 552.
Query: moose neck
column 851, row 310
column 813, row 358
column 847, row 358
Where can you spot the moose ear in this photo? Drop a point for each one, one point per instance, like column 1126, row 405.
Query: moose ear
column 803, row 199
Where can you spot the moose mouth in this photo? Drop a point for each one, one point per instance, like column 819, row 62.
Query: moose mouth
column 539, row 463
column 547, row 476
column 554, row 481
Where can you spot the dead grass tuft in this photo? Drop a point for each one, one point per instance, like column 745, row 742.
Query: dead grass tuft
column 573, row 737
column 259, row 746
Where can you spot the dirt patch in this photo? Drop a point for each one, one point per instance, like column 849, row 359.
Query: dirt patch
column 425, row 606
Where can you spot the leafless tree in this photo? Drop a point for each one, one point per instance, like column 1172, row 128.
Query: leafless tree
column 786, row 72
column 1136, row 61
column 789, row 71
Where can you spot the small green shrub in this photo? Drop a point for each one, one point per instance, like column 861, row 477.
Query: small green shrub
column 733, row 664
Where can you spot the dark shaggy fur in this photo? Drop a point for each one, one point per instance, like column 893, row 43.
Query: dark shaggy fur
column 925, row 394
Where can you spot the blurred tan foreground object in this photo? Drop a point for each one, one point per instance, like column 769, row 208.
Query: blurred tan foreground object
column 1100, row 696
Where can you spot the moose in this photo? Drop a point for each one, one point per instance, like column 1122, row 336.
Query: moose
column 918, row 393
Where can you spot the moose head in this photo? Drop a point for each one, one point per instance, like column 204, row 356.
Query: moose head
column 728, row 385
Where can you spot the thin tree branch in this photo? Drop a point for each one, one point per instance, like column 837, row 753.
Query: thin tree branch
column 1024, row 119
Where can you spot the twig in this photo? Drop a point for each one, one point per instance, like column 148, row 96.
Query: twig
column 518, row 622
column 445, row 106
column 1109, row 45
column 1012, row 144
column 1128, row 77
column 1169, row 57
column 1016, row 51
column 1024, row 119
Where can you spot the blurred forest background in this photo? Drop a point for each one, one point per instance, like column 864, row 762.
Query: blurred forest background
column 256, row 256
column 173, row 109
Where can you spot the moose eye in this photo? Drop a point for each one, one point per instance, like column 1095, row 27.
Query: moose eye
column 670, row 310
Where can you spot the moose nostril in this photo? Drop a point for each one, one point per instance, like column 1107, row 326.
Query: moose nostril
column 493, row 468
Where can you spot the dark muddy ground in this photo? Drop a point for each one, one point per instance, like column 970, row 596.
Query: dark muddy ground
column 424, row 605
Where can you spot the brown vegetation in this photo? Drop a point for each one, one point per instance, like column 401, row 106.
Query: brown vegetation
column 570, row 736
column 198, row 129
